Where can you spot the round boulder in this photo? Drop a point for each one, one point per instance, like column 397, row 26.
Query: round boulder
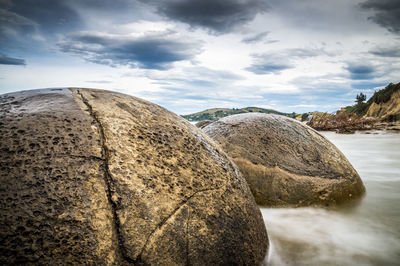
column 285, row 162
column 101, row 178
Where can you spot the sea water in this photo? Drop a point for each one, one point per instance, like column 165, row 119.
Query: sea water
column 366, row 234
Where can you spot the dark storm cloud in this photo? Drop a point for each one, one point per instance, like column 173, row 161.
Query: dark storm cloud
column 219, row 16
column 361, row 71
column 114, row 5
column 387, row 13
column 393, row 51
column 269, row 63
column 5, row 60
column 268, row 67
column 49, row 15
column 12, row 24
column 281, row 60
column 256, row 38
column 148, row 51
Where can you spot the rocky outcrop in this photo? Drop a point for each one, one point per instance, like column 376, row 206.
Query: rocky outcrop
column 388, row 111
column 342, row 122
column 95, row 177
column 285, row 162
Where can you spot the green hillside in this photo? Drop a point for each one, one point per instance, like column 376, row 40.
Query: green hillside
column 217, row 113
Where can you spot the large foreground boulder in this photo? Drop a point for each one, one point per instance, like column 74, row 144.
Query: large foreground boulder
column 99, row 178
column 285, row 162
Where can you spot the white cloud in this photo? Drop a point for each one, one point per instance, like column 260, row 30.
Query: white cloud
column 303, row 55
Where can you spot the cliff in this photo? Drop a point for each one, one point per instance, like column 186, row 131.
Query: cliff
column 388, row 111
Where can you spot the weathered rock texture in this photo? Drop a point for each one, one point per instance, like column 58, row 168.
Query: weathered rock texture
column 203, row 123
column 285, row 162
column 95, row 177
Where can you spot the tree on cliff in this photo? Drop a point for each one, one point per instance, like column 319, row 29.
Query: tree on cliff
column 360, row 98
column 361, row 106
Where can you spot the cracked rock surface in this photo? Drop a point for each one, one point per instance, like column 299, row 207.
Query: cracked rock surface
column 285, row 162
column 96, row 177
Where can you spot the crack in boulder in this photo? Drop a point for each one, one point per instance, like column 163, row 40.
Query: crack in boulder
column 108, row 180
column 166, row 219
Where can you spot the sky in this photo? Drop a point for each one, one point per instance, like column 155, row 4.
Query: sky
column 191, row 55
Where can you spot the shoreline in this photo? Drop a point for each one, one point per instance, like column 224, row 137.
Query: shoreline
column 351, row 129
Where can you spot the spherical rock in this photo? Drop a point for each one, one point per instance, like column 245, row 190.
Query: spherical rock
column 285, row 162
column 96, row 177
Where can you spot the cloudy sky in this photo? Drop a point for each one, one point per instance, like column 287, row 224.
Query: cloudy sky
column 189, row 55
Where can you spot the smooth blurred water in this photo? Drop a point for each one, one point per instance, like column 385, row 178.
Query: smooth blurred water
column 367, row 234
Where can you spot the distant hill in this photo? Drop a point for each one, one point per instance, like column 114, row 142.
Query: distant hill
column 217, row 113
